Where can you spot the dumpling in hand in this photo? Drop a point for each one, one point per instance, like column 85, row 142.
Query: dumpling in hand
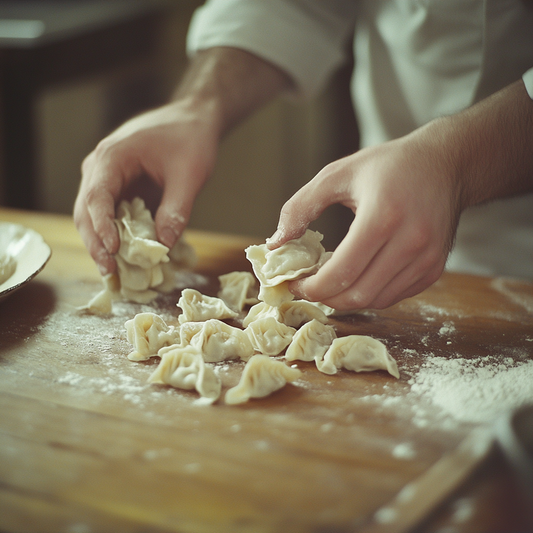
column 293, row 260
column 218, row 341
column 184, row 368
column 238, row 289
column 198, row 307
column 261, row 310
column 268, row 336
column 311, row 342
column 148, row 333
column 359, row 353
column 299, row 312
column 261, row 376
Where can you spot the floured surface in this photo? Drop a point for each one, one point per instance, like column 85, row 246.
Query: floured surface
column 82, row 427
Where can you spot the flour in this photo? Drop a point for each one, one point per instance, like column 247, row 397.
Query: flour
column 474, row 390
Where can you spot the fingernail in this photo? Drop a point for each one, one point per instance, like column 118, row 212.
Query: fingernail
column 103, row 270
column 168, row 237
column 275, row 237
column 109, row 244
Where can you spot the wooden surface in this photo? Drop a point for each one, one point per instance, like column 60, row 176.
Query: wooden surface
column 86, row 445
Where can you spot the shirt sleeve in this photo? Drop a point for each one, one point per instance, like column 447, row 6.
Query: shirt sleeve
column 528, row 82
column 305, row 38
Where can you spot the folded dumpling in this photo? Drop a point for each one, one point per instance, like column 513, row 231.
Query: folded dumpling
column 238, row 289
column 261, row 376
column 148, row 333
column 311, row 342
column 299, row 312
column 261, row 310
column 183, row 367
column 269, row 336
column 359, row 353
column 218, row 341
column 197, row 307
column 295, row 259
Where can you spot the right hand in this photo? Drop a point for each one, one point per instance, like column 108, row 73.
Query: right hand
column 173, row 146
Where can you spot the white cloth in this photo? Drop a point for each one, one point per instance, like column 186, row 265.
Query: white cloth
column 414, row 60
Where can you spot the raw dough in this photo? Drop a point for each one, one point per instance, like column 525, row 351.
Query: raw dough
column 311, row 342
column 145, row 267
column 197, row 307
column 268, row 336
column 183, row 367
column 293, row 260
column 148, row 333
column 238, row 289
column 218, row 341
column 261, row 376
column 357, row 352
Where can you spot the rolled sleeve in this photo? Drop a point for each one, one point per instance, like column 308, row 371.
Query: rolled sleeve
column 306, row 39
column 528, row 82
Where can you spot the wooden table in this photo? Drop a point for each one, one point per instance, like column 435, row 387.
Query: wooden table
column 86, row 445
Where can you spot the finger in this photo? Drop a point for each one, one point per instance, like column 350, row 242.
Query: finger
column 353, row 255
column 105, row 262
column 308, row 203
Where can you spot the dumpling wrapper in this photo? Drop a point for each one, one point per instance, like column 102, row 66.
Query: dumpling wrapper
column 183, row 367
column 261, row 376
column 359, row 353
column 148, row 333
column 238, row 289
column 218, row 341
column 269, row 336
column 293, row 260
column 311, row 342
column 197, row 307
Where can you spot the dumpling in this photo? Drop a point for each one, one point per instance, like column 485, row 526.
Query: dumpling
column 102, row 303
column 238, row 289
column 299, row 312
column 293, row 260
column 218, row 341
column 261, row 310
column 269, row 336
column 183, row 367
column 311, row 342
column 359, row 353
column 145, row 267
column 148, row 333
column 261, row 376
column 198, row 307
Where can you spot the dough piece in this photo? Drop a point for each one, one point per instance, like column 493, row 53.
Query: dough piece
column 311, row 342
column 198, row 307
column 299, row 312
column 218, row 341
column 261, row 376
column 8, row 265
column 261, row 310
column 183, row 367
column 238, row 289
column 148, row 333
column 269, row 336
column 293, row 260
column 359, row 353
column 182, row 258
column 102, row 303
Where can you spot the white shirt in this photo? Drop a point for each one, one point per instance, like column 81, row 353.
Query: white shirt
column 415, row 60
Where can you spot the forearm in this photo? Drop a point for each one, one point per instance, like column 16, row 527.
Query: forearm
column 229, row 84
column 491, row 146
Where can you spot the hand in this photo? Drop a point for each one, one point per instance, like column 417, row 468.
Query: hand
column 405, row 197
column 174, row 146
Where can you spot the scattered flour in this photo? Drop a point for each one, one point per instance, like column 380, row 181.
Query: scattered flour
column 474, row 390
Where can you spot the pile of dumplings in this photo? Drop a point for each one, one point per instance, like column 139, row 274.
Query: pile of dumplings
column 269, row 322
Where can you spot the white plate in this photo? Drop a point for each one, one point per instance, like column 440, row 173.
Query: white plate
column 28, row 249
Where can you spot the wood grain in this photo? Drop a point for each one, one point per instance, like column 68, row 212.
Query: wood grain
column 86, row 445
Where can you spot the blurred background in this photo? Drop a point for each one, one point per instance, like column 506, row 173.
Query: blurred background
column 73, row 70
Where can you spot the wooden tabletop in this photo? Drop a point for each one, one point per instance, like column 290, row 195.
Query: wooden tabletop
column 86, row 445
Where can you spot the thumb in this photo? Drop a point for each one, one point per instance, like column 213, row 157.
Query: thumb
column 305, row 206
column 172, row 215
